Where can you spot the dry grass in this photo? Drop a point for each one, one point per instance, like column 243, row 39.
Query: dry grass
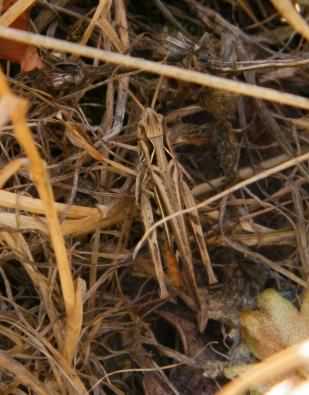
column 143, row 162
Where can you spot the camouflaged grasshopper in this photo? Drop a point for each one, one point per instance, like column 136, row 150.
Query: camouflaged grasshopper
column 161, row 181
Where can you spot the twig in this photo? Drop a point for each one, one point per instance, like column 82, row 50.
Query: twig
column 174, row 72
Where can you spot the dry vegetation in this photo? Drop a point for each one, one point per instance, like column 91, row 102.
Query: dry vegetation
column 145, row 204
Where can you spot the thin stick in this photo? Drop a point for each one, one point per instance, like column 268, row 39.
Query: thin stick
column 243, row 173
column 174, row 72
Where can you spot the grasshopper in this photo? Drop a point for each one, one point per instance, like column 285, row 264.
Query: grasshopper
column 161, row 180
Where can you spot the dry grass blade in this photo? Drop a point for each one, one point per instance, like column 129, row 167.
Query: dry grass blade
column 156, row 68
column 22, row 222
column 40, row 178
column 74, row 325
column 18, row 245
column 243, row 174
column 11, row 168
column 114, row 214
column 77, row 139
column 110, row 32
column 14, row 337
column 278, row 237
column 17, row 9
column 301, row 232
column 288, row 11
column 22, row 374
column 36, row 206
column 79, row 220
column 101, row 8
column 214, row 108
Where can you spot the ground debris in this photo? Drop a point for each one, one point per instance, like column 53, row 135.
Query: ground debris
column 112, row 281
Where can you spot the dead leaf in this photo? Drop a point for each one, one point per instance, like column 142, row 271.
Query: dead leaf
column 26, row 55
